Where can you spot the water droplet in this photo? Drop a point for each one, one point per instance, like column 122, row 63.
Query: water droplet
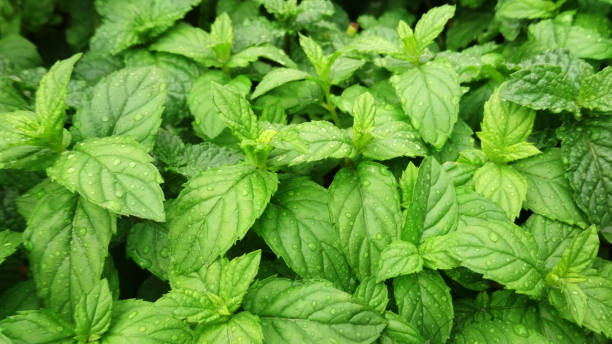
column 521, row 330
column 70, row 170
column 132, row 164
column 493, row 237
column 116, row 162
column 132, row 315
column 105, row 118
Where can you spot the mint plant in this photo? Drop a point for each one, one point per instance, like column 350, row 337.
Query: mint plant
column 275, row 171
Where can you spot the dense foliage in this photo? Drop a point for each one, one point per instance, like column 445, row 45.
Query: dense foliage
column 275, row 171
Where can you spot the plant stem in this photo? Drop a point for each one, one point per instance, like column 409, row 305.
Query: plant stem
column 332, row 110
column 226, row 70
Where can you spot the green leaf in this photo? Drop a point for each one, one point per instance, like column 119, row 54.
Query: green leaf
column 574, row 301
column 461, row 140
column 399, row 331
column 11, row 98
column 412, row 48
column 147, row 244
column 542, row 87
column 579, row 254
column 588, row 150
column 242, row 328
column 68, row 238
column 596, row 90
column 208, row 120
column 92, row 313
column 308, row 142
column 526, row 9
column 407, row 183
column 191, row 42
column 434, row 209
column 37, row 327
column 548, row 190
column 20, row 297
column 393, row 139
column 128, row 102
column 503, row 252
column 397, row 259
column 364, row 112
column 430, row 96
column 436, row 253
column 235, row 111
column 467, row 27
column 374, row 44
column 10, row 241
column 143, row 323
column 374, row 294
column 255, row 30
column 277, row 77
column 180, row 72
column 252, row 54
column 574, row 68
column 115, row 173
column 504, row 130
column 228, row 279
column 503, row 305
column 50, row 105
column 598, row 291
column 19, row 147
column 309, row 11
column 588, row 303
column 343, row 68
column 296, row 227
column 551, row 236
column 314, row 53
column 557, row 329
column 498, row 331
column 222, row 35
column 132, row 22
column 425, row 299
column 580, row 41
column 473, row 205
column 286, row 308
column 278, row 8
column 202, row 221
column 20, row 52
column 432, row 23
column 364, row 207
column 204, row 156
column 193, row 306
column 239, row 11
column 503, row 185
